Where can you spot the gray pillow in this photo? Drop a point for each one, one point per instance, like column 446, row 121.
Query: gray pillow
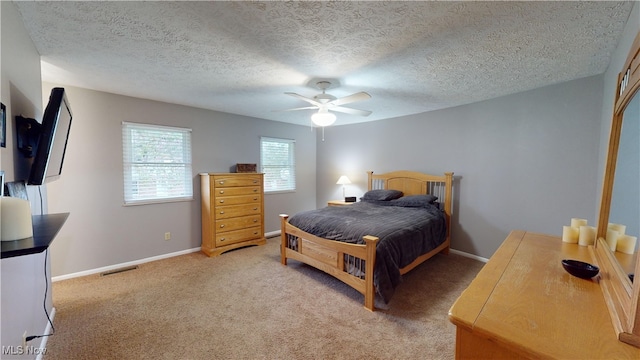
column 415, row 201
column 381, row 195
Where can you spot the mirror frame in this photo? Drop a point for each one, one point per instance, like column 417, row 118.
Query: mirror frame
column 622, row 296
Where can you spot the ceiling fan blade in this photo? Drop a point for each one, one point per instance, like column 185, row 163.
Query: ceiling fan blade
column 303, row 98
column 300, row 108
column 351, row 98
column 350, row 111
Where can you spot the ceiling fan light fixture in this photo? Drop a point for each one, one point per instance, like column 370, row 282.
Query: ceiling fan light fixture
column 325, row 102
column 323, row 118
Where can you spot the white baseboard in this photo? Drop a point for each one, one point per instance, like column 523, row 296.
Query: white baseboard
column 47, row 330
column 471, row 256
column 188, row 251
column 272, row 234
column 138, row 262
column 117, row 266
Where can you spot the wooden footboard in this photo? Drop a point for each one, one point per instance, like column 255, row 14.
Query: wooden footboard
column 329, row 256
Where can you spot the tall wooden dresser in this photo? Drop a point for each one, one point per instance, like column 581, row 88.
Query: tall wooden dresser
column 232, row 211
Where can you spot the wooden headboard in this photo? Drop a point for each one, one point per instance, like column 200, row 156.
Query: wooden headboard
column 416, row 183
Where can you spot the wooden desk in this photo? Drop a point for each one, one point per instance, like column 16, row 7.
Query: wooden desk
column 523, row 304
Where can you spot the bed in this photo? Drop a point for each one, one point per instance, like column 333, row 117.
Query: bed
column 370, row 244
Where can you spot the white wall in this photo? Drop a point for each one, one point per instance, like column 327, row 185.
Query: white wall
column 100, row 231
column 523, row 161
column 22, row 278
column 21, row 81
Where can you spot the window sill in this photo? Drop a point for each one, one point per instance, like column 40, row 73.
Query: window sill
column 158, row 201
column 279, row 192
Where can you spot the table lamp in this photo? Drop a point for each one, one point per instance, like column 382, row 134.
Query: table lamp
column 343, row 180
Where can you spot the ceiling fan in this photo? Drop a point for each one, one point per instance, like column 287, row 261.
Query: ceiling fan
column 326, row 102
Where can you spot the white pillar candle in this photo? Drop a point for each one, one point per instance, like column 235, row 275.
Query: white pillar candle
column 587, row 235
column 612, row 239
column 626, row 244
column 570, row 234
column 617, row 227
column 576, row 223
column 15, row 222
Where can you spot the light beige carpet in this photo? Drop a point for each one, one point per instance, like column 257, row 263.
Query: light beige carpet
column 245, row 305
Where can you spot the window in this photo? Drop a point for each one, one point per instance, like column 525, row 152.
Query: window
column 157, row 163
column 277, row 162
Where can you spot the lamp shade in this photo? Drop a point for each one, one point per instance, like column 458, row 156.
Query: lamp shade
column 323, row 118
column 343, row 180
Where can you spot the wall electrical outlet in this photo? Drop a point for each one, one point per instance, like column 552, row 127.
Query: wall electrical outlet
column 167, row 236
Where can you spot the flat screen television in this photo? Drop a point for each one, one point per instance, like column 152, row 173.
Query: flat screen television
column 52, row 142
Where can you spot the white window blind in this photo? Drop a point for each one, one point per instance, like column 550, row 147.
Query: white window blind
column 157, row 163
column 277, row 162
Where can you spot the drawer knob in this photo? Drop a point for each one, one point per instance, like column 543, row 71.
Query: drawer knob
column 255, row 220
column 255, row 181
column 221, row 182
column 255, row 190
column 221, row 201
column 221, row 191
column 221, row 226
column 255, row 208
column 255, row 233
column 255, row 198
column 223, row 239
column 221, row 212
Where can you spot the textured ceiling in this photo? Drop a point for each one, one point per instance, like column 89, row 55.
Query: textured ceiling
column 241, row 57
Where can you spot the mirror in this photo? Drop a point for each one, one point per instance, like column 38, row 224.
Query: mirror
column 620, row 203
column 625, row 195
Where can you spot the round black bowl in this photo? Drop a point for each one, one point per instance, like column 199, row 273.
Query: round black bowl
column 580, row 269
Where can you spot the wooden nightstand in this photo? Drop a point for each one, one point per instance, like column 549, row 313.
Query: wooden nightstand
column 338, row 203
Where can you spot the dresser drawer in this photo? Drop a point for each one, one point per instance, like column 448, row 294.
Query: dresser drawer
column 237, row 200
column 225, row 212
column 231, row 237
column 224, row 181
column 238, row 223
column 240, row 190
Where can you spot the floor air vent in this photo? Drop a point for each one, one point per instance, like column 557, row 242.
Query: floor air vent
column 117, row 271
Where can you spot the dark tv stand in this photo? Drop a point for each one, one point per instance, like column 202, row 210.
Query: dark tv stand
column 45, row 229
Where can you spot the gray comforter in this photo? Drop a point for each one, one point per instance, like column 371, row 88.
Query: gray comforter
column 405, row 233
